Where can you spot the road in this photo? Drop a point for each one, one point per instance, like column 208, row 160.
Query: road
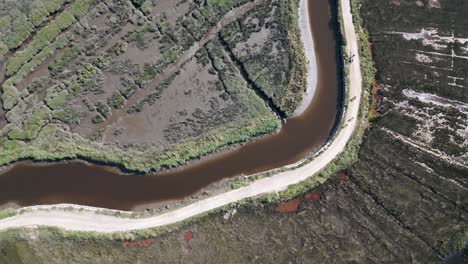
column 90, row 221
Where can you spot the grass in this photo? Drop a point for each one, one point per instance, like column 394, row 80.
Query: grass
column 44, row 54
column 220, row 3
column 343, row 161
column 258, row 120
column 59, row 100
column 10, row 95
column 10, row 144
column 54, row 5
column 194, row 149
column 457, row 243
column 103, row 109
column 267, row 72
column 15, row 249
column 116, row 100
column 64, row 58
column 49, row 32
column 31, row 126
column 7, row 213
column 297, row 82
column 39, row 42
column 21, row 29
column 350, row 154
column 3, row 50
column 39, row 15
column 73, row 146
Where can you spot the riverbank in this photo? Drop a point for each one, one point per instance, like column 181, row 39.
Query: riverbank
column 70, row 143
column 276, row 183
column 298, row 138
column 151, row 156
column 311, row 66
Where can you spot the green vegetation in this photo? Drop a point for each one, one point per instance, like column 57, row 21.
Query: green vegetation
column 17, row 251
column 297, row 81
column 66, row 147
column 196, row 148
column 64, row 59
column 39, row 42
column 58, row 100
column 223, row 4
column 146, row 7
column 116, row 100
column 75, row 89
column 48, row 33
column 7, row 212
column 69, row 116
column 10, row 95
column 152, row 97
column 80, row 7
column 103, row 109
column 10, row 144
column 426, row 224
column 349, row 156
column 43, row 9
column 148, row 73
column 277, row 66
column 97, row 119
column 47, row 52
column 220, row 3
column 20, row 29
column 31, row 126
column 3, row 50
column 365, row 54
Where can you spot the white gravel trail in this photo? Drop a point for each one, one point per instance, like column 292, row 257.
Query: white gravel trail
column 90, row 221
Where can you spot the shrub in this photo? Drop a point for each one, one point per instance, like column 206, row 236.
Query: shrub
column 116, row 100
column 31, row 126
column 130, row 89
column 58, row 100
column 148, row 72
column 80, row 7
column 20, row 30
column 103, row 109
column 39, row 58
column 7, row 213
column 3, row 49
column 46, row 34
column 97, row 119
column 54, row 5
column 39, row 15
column 146, row 7
column 64, row 59
column 68, row 115
column 64, row 20
column 10, row 95
column 9, row 145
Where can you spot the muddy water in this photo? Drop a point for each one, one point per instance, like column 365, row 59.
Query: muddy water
column 27, row 184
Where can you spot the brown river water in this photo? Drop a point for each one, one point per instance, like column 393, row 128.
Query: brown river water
column 32, row 184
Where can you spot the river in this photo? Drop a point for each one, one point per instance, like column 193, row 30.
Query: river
column 27, row 183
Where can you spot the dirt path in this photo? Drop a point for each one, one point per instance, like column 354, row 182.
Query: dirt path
column 88, row 220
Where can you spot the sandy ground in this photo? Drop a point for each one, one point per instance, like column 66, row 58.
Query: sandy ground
column 309, row 51
column 88, row 220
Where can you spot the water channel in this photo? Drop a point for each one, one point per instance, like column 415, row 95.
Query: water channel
column 27, row 183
